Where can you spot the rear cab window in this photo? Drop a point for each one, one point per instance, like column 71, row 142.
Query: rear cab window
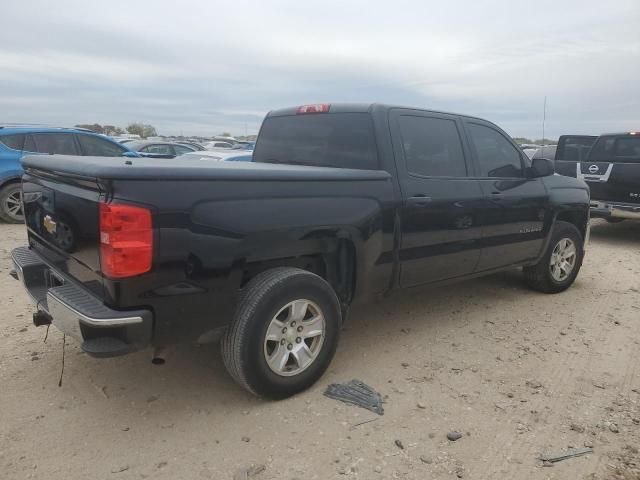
column 342, row 140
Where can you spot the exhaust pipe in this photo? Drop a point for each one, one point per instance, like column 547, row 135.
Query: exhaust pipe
column 159, row 356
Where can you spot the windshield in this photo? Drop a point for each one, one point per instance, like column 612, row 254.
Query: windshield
column 344, row 140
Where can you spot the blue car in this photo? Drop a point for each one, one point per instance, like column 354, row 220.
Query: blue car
column 16, row 141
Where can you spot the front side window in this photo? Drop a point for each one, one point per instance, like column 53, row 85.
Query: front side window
column 432, row 147
column 55, row 143
column 497, row 157
column 99, row 147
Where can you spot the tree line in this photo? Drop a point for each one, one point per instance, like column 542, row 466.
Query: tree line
column 144, row 130
column 540, row 141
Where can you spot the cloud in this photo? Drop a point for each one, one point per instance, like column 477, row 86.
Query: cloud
column 203, row 67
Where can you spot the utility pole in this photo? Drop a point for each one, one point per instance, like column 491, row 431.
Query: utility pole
column 544, row 118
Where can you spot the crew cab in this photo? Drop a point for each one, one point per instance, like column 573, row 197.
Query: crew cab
column 342, row 203
column 611, row 168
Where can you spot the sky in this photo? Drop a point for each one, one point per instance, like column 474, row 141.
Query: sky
column 205, row 67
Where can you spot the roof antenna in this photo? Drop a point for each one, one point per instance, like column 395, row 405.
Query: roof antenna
column 544, row 118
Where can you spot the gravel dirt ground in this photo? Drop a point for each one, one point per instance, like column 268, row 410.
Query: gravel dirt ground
column 518, row 373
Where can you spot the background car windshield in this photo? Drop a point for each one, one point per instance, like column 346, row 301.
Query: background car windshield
column 344, row 140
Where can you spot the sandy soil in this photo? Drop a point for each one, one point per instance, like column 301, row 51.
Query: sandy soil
column 516, row 372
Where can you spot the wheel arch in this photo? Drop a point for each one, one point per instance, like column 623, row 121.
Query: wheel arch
column 9, row 180
column 332, row 257
column 575, row 217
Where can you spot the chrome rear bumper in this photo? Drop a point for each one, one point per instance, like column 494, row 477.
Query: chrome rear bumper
column 616, row 210
column 77, row 312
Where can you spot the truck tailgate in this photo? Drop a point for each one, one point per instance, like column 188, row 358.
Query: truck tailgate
column 62, row 218
column 609, row 181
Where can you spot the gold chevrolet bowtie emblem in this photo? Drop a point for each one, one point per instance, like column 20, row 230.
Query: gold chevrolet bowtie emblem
column 49, row 224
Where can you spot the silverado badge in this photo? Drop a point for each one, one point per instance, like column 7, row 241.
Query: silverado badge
column 49, row 224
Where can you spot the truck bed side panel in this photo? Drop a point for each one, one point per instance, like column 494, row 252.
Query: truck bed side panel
column 209, row 232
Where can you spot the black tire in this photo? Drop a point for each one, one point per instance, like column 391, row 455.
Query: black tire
column 7, row 193
column 243, row 346
column 614, row 219
column 539, row 276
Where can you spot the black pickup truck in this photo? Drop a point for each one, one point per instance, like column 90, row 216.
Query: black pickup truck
column 342, row 203
column 611, row 168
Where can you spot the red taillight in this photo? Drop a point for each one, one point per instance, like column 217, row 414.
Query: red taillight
column 126, row 240
column 317, row 108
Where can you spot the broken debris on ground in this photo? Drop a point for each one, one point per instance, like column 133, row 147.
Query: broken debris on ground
column 356, row 393
column 570, row 453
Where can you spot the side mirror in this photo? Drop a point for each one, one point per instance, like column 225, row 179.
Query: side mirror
column 542, row 167
column 130, row 154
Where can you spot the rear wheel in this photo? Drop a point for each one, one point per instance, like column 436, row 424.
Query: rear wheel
column 284, row 332
column 11, row 203
column 560, row 264
column 615, row 219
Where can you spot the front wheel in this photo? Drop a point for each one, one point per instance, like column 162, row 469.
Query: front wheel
column 284, row 333
column 561, row 262
column 11, row 203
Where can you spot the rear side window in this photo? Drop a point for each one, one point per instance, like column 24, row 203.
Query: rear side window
column 624, row 148
column 16, row 142
column 432, row 147
column 497, row 157
column 56, row 143
column 628, row 147
column 344, row 140
column 99, row 147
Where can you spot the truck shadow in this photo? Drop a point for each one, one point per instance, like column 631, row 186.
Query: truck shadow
column 626, row 233
column 194, row 381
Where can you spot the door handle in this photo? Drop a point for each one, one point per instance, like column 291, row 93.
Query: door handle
column 419, row 201
column 497, row 195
